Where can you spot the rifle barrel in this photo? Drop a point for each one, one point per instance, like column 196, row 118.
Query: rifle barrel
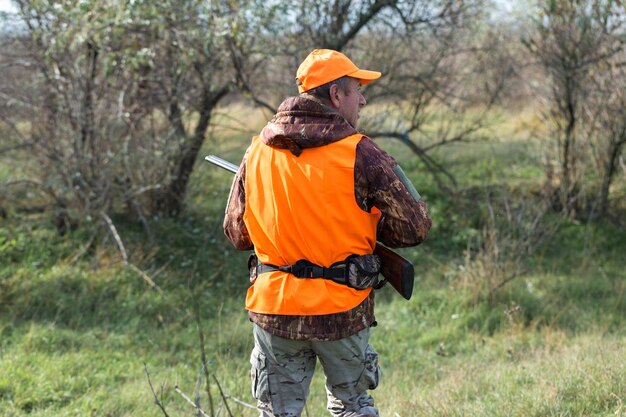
column 222, row 163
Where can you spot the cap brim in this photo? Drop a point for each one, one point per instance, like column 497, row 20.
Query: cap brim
column 365, row 76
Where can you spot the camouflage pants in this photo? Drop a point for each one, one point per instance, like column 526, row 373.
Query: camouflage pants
column 282, row 370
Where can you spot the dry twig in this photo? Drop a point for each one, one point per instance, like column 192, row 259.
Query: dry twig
column 240, row 402
column 122, row 249
column 156, row 398
column 194, row 405
column 219, row 387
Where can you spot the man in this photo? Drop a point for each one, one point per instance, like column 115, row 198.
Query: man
column 310, row 193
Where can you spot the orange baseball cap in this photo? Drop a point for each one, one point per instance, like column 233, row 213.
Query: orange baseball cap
column 325, row 65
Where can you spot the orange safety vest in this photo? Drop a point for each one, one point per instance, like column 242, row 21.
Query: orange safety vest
column 304, row 208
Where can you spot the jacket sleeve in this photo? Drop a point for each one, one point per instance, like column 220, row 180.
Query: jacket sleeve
column 405, row 220
column 234, row 226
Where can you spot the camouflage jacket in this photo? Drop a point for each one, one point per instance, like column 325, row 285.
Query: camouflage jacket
column 302, row 123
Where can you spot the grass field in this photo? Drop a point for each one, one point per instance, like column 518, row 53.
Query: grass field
column 77, row 334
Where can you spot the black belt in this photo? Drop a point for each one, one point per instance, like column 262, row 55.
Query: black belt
column 354, row 271
column 337, row 272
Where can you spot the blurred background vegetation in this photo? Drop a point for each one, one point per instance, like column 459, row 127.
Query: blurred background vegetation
column 119, row 291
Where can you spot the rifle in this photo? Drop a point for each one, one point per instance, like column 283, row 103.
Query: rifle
column 397, row 270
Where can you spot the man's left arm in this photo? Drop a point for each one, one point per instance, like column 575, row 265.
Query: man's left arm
column 382, row 184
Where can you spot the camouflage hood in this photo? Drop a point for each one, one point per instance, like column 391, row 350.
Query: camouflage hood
column 302, row 123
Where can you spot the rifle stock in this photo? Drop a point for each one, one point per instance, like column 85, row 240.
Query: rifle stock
column 397, row 270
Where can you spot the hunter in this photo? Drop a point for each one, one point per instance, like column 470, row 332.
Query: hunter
column 312, row 197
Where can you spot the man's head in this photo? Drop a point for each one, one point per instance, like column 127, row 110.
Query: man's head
column 332, row 78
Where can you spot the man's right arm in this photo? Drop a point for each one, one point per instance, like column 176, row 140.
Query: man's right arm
column 234, row 227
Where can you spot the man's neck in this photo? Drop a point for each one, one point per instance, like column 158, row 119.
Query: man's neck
column 326, row 104
column 323, row 102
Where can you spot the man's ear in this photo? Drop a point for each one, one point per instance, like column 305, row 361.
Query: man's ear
column 333, row 94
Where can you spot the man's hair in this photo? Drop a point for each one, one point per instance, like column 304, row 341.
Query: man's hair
column 323, row 91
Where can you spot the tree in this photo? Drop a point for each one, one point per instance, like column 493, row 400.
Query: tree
column 438, row 85
column 197, row 50
column 75, row 129
column 419, row 47
column 573, row 41
column 122, row 96
column 605, row 123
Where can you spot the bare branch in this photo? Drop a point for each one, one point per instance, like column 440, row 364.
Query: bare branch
column 194, row 405
column 84, row 249
column 364, row 18
column 203, row 356
column 16, row 147
column 237, row 60
column 433, row 166
column 154, row 395
column 116, row 236
column 219, row 387
column 145, row 277
column 122, row 249
column 10, row 100
column 238, row 401
column 38, row 184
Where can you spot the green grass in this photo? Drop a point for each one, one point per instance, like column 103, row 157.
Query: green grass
column 75, row 334
column 561, row 378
